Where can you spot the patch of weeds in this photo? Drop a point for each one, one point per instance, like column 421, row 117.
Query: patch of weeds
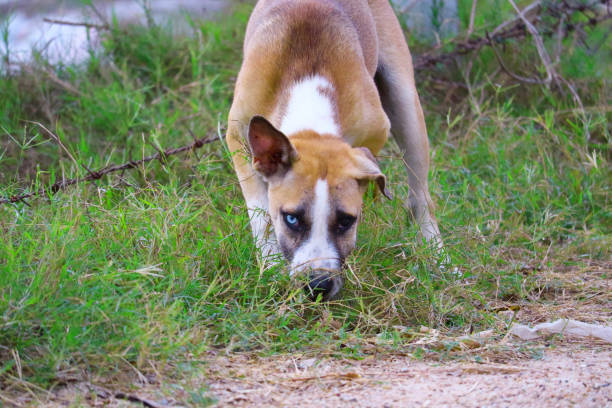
column 200, row 398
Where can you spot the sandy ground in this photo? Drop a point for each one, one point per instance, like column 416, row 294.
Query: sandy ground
column 578, row 378
column 569, row 376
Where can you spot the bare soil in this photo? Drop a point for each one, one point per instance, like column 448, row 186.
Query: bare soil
column 559, row 379
column 573, row 375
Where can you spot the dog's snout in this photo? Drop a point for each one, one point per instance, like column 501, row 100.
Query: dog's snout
column 325, row 284
column 322, row 284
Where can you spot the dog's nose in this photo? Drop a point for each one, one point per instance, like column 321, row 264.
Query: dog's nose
column 320, row 284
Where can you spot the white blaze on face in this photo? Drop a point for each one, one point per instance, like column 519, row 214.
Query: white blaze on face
column 317, row 252
column 310, row 107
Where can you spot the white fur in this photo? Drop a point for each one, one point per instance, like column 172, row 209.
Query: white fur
column 317, row 252
column 260, row 225
column 309, row 108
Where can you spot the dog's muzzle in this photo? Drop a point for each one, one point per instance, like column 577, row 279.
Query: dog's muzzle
column 325, row 283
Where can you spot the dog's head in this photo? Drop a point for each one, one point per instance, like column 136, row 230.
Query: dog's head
column 315, row 191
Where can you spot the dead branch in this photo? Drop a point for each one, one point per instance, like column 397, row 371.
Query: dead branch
column 516, row 29
column 472, row 16
column 517, row 77
column 106, row 393
column 530, row 12
column 95, row 175
column 77, row 24
column 551, row 74
column 52, row 76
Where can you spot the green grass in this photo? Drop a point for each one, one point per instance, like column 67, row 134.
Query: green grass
column 156, row 266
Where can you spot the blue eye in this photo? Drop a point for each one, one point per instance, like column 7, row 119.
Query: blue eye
column 291, row 219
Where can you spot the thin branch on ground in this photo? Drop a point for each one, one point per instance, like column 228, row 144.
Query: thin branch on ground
column 551, row 74
column 77, row 24
column 95, row 175
column 106, row 393
column 470, row 29
column 517, row 77
column 514, row 29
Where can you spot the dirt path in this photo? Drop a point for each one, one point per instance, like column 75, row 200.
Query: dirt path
column 560, row 379
column 570, row 376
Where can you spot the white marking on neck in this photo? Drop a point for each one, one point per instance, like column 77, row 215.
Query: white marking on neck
column 317, row 252
column 310, row 107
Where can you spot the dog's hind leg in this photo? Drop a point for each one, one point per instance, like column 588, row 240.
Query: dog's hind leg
column 395, row 82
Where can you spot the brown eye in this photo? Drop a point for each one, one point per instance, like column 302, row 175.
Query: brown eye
column 344, row 222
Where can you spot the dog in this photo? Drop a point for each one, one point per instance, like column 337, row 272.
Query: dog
column 321, row 86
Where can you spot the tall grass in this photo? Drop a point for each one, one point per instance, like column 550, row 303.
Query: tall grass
column 153, row 267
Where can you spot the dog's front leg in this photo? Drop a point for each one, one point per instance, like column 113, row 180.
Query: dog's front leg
column 261, row 225
column 255, row 192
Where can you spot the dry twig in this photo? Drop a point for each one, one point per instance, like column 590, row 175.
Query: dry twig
column 551, row 74
column 52, row 76
column 77, row 24
column 516, row 28
column 106, row 393
column 61, row 145
column 472, row 17
column 95, row 175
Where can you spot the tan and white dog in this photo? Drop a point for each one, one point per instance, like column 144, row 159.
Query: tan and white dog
column 322, row 84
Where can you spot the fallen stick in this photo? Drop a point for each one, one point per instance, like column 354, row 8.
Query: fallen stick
column 106, row 393
column 517, row 28
column 97, row 174
column 76, row 24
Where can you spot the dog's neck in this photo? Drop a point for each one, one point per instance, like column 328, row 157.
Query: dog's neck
column 310, row 104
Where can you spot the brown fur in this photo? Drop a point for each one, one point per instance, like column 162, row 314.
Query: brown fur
column 288, row 40
column 350, row 43
column 320, row 157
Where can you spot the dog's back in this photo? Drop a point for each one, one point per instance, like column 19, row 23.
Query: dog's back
column 304, row 28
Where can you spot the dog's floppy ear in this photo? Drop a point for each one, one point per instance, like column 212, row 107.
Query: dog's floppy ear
column 272, row 151
column 367, row 169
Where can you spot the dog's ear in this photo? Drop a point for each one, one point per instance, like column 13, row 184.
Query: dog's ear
column 366, row 168
column 272, row 151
